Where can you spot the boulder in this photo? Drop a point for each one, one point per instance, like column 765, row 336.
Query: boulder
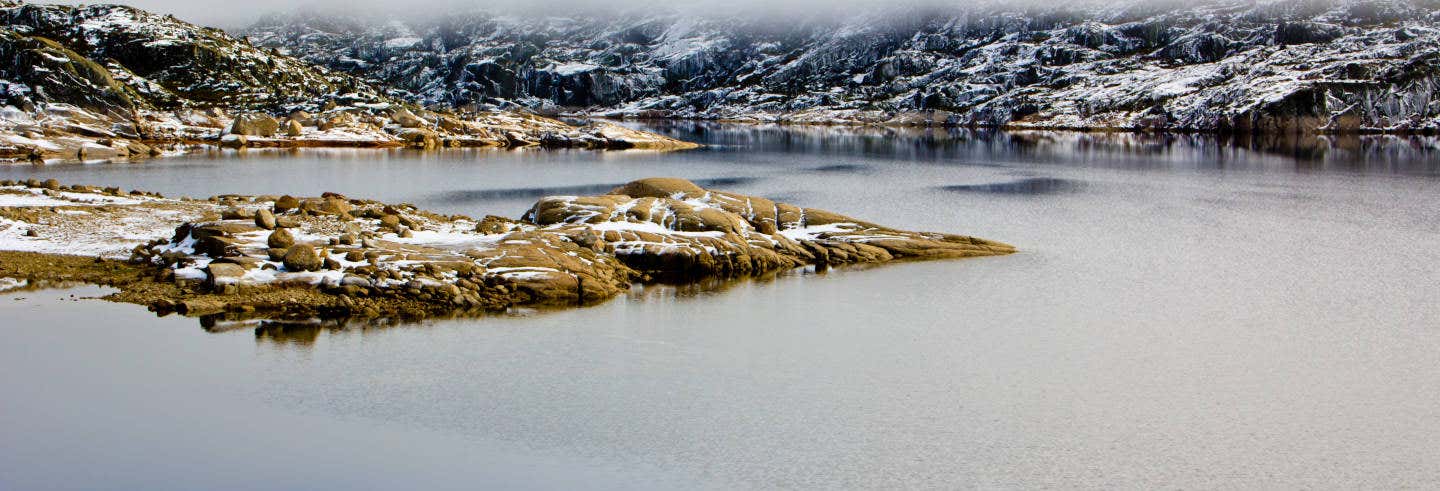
column 254, row 124
column 407, row 119
column 303, row 118
column 286, row 203
column 234, row 141
column 419, row 137
column 658, row 187
column 492, row 224
column 293, row 128
column 335, row 206
column 221, row 273
column 96, row 151
column 280, row 239
column 302, row 258
column 265, row 219
column 137, row 149
column 220, row 229
column 218, row 245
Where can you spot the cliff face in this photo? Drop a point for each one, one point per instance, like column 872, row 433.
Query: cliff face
column 1286, row 65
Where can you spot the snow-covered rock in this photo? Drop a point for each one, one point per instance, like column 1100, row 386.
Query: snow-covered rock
column 1227, row 65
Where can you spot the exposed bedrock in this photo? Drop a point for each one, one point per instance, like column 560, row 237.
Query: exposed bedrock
column 366, row 258
column 671, row 227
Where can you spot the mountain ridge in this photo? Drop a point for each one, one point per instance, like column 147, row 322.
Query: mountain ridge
column 1226, row 66
column 111, row 81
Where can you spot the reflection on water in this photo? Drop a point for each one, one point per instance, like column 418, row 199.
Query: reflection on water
column 462, row 197
column 472, row 196
column 1189, row 312
column 304, row 333
column 1410, row 154
column 840, row 168
column 1029, row 185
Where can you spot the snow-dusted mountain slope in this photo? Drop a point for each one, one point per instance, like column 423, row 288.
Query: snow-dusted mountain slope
column 109, row 81
column 1222, row 65
column 118, row 59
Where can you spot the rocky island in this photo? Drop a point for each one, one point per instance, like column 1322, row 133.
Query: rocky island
column 333, row 256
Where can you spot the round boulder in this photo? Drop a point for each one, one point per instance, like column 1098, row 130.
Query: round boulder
column 658, row 187
column 265, row 219
column 286, row 203
column 302, row 258
column 280, row 239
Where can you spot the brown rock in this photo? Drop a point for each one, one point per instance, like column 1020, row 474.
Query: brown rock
column 286, row 203
column 658, row 187
column 407, row 119
column 302, row 258
column 492, row 224
column 335, row 206
column 419, row 137
column 217, row 273
column 280, row 239
column 302, row 117
column 137, row 149
column 254, row 124
column 265, row 219
column 218, row 245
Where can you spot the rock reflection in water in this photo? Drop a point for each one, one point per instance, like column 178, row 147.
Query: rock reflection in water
column 299, row 333
column 1029, row 185
column 1403, row 154
column 471, row 196
column 840, row 168
column 304, row 333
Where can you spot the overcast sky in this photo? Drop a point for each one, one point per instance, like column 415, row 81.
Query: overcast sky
column 219, row 13
column 237, row 14
column 232, row 13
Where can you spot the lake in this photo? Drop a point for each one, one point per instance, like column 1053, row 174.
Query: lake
column 1185, row 311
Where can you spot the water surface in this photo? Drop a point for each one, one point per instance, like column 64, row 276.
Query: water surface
column 1184, row 312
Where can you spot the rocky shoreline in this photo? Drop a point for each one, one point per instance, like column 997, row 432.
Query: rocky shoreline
column 118, row 83
column 57, row 132
column 282, row 257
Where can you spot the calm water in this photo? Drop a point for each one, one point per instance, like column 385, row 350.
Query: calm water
column 1186, row 312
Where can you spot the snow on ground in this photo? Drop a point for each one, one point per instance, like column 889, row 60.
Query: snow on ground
column 86, row 224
